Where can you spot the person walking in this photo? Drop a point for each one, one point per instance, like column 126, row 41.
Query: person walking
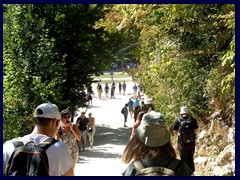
column 113, row 85
column 106, row 89
column 82, row 123
column 46, row 121
column 124, row 86
column 186, row 128
column 135, row 88
column 151, row 147
column 142, row 105
column 112, row 92
column 100, row 82
column 99, row 90
column 89, row 98
column 91, row 129
column 136, row 111
column 69, row 133
column 130, row 107
column 120, row 87
column 136, row 102
column 124, row 111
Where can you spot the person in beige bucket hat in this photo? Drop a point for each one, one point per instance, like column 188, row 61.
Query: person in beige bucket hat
column 151, row 146
column 152, row 130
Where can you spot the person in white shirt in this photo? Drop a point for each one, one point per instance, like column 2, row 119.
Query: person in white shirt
column 46, row 118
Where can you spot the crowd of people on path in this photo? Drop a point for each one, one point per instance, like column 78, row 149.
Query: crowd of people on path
column 149, row 145
column 111, row 88
column 133, row 107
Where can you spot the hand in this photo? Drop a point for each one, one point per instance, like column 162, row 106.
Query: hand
column 69, row 124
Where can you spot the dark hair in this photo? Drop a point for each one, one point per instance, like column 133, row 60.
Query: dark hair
column 42, row 121
column 136, row 150
column 65, row 112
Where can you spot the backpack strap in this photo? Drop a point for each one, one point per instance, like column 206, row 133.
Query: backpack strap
column 138, row 164
column 44, row 144
column 180, row 119
column 17, row 144
column 173, row 164
column 47, row 143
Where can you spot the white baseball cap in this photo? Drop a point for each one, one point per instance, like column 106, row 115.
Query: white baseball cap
column 49, row 111
column 184, row 110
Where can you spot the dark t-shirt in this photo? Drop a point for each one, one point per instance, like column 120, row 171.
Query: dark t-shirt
column 180, row 170
column 82, row 123
column 124, row 85
column 89, row 97
column 125, row 111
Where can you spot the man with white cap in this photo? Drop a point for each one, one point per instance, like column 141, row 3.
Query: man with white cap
column 150, row 147
column 186, row 128
column 46, row 119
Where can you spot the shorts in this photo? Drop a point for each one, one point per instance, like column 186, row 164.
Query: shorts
column 83, row 134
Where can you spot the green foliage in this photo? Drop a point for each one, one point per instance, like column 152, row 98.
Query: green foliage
column 186, row 53
column 50, row 53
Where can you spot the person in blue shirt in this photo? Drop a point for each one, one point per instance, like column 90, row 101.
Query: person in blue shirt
column 135, row 88
column 130, row 107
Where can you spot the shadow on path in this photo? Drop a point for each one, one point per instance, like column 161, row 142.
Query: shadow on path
column 107, row 135
column 109, row 143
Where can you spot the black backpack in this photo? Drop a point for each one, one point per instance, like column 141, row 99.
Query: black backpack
column 155, row 170
column 122, row 111
column 29, row 160
column 185, row 129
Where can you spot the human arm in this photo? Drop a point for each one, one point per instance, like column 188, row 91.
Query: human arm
column 70, row 172
column 196, row 131
column 93, row 122
column 74, row 129
column 57, row 136
column 87, row 127
column 195, row 126
column 175, row 132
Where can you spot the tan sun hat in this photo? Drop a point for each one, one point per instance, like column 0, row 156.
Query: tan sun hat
column 152, row 131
